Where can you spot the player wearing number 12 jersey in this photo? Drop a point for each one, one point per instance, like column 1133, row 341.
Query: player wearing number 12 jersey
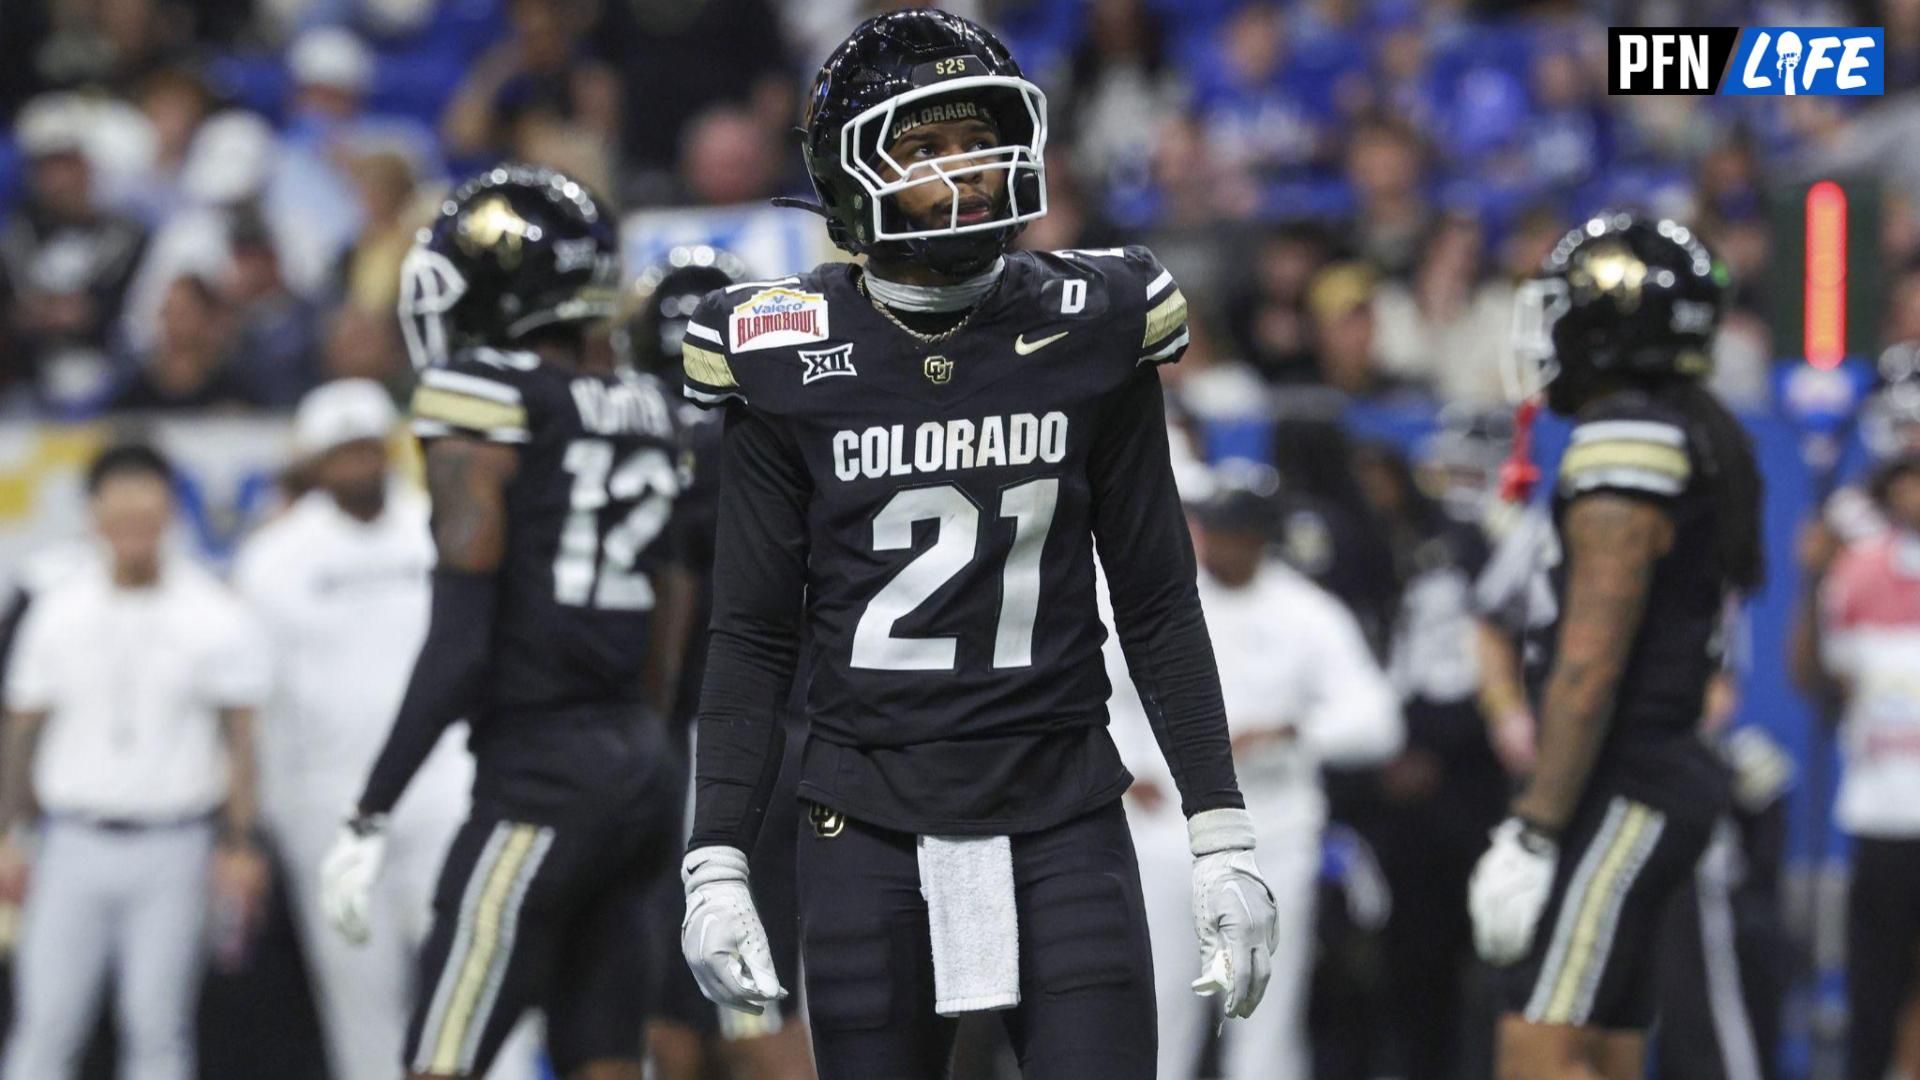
column 920, row 459
column 553, row 480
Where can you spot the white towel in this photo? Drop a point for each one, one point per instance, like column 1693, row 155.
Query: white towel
column 968, row 884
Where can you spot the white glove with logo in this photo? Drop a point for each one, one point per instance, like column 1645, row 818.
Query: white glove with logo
column 1233, row 912
column 347, row 875
column 721, row 937
column 1509, row 889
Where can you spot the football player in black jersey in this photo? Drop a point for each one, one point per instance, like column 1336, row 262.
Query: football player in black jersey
column 921, row 457
column 553, row 478
column 685, row 1024
column 1656, row 529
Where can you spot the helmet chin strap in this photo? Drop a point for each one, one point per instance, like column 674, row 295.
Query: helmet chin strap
column 960, row 255
column 955, row 297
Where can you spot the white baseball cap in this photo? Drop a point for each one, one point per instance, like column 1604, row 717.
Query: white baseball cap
column 330, row 56
column 229, row 159
column 52, row 124
column 343, row 411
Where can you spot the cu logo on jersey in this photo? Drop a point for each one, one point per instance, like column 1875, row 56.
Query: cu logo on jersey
column 827, row 823
column 939, row 370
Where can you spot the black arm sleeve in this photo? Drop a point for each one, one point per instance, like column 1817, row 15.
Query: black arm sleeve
column 459, row 638
column 759, row 590
column 1141, row 534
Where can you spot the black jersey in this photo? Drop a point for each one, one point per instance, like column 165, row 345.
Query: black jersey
column 695, row 511
column 587, row 516
column 1631, row 444
column 938, row 503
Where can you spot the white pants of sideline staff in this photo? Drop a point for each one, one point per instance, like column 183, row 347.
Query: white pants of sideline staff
column 365, row 992
column 132, row 904
column 1272, row 1043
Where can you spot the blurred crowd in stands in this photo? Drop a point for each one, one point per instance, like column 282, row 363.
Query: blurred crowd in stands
column 205, row 203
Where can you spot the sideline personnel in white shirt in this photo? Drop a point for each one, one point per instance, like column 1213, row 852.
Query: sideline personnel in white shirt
column 1868, row 638
column 341, row 583
column 131, row 696
column 1301, row 689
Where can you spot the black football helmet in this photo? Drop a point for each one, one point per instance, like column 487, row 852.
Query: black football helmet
column 1618, row 296
column 896, row 71
column 661, row 301
column 516, row 249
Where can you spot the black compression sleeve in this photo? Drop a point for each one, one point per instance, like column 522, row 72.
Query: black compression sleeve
column 450, row 665
column 759, row 587
column 1141, row 533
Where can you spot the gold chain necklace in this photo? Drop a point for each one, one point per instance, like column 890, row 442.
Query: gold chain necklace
column 925, row 339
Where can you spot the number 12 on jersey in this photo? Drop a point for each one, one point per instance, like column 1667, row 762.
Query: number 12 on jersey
column 956, row 541
column 596, row 570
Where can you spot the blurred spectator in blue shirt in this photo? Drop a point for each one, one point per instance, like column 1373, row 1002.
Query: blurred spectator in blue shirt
column 64, row 264
column 280, row 19
column 1328, row 56
column 1256, row 122
column 327, row 124
column 537, row 88
column 1484, row 116
column 1569, row 137
column 1403, row 83
column 174, row 101
column 276, row 332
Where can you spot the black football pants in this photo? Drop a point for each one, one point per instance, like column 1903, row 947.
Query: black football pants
column 1086, row 1007
column 1883, row 939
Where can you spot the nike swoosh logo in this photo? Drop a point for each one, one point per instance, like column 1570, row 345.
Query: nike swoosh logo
column 1022, row 346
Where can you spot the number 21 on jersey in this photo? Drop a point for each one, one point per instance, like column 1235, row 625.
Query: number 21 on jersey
column 957, row 540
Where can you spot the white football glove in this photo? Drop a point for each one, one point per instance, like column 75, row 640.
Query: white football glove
column 1233, row 911
column 721, row 937
column 1509, row 889
column 347, row 875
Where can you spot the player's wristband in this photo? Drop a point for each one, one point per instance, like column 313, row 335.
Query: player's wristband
column 1535, row 837
column 1225, row 829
